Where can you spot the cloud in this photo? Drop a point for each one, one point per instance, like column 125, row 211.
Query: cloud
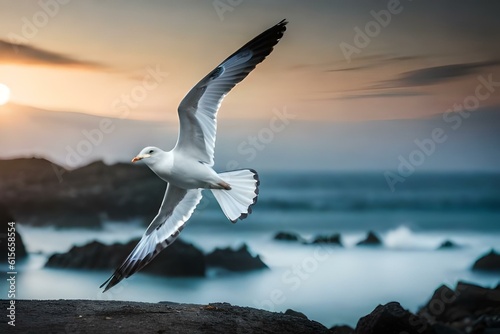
column 388, row 94
column 362, row 63
column 434, row 75
column 374, row 61
column 11, row 53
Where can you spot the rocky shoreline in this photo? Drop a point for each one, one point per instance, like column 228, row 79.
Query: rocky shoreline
column 466, row 309
column 87, row 316
column 37, row 197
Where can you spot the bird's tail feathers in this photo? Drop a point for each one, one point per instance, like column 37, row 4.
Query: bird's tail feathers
column 237, row 202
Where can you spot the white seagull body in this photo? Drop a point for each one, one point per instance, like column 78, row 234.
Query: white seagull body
column 187, row 168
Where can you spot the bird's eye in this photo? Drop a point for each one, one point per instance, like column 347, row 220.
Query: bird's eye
column 151, row 151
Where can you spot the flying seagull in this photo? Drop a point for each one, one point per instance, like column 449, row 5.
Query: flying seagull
column 187, row 168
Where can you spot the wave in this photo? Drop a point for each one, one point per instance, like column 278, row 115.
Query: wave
column 361, row 202
column 403, row 237
column 365, row 192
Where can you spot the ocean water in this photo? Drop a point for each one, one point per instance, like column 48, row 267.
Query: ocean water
column 332, row 285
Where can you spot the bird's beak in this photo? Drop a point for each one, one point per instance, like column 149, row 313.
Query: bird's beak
column 140, row 157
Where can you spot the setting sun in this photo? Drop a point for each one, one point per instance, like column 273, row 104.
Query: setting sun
column 4, row 94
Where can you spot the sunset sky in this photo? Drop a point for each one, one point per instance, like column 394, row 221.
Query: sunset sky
column 340, row 62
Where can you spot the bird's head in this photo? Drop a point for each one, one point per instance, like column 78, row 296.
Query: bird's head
column 149, row 154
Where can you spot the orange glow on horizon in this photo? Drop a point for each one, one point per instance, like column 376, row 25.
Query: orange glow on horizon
column 4, row 94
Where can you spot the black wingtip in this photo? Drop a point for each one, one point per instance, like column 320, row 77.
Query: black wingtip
column 108, row 286
column 110, row 282
column 282, row 25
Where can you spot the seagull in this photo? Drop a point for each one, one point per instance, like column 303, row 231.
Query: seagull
column 187, row 168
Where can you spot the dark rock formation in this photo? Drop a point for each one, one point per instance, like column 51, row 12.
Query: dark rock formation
column 333, row 239
column 41, row 193
column 288, row 236
column 96, row 316
column 343, row 329
column 448, row 244
column 488, row 262
column 391, row 318
column 439, row 328
column 234, row 260
column 179, row 259
column 293, row 313
column 468, row 307
column 5, row 233
column 371, row 240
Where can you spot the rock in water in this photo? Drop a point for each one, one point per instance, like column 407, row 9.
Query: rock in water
column 179, row 259
column 391, row 318
column 489, row 262
column 288, row 236
column 448, row 244
column 235, row 260
column 5, row 219
column 333, row 239
column 371, row 240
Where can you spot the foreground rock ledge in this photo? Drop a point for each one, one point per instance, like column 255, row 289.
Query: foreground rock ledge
column 89, row 316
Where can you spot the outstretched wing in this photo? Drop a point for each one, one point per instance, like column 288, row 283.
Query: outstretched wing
column 198, row 110
column 177, row 206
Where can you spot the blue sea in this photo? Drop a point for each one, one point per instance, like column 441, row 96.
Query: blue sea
column 332, row 285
